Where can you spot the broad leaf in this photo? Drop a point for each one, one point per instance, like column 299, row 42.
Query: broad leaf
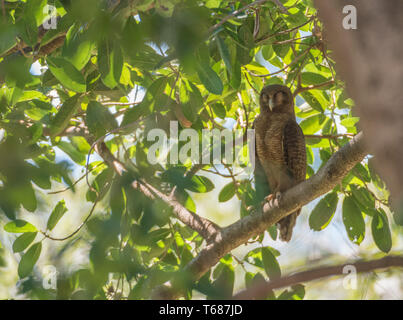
column 323, row 212
column 67, row 74
column 58, row 211
column 353, row 220
column 29, row 259
column 19, row 226
column 271, row 265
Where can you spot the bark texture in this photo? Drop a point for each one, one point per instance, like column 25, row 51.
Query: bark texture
column 369, row 61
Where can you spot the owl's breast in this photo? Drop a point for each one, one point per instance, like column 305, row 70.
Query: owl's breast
column 269, row 138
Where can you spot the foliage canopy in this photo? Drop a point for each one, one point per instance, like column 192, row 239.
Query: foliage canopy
column 111, row 71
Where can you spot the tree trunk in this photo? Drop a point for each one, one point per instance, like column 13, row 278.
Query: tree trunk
column 369, row 60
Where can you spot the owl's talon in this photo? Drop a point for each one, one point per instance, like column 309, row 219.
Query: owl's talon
column 271, row 199
column 250, row 208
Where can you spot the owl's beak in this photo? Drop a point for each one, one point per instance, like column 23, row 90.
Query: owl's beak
column 271, row 104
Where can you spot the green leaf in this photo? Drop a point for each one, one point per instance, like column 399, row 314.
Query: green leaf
column 270, row 263
column 16, row 69
column 252, row 280
column 134, row 113
column 8, row 34
column 191, row 100
column 323, row 212
column 316, row 100
column 281, row 50
column 219, row 110
column 349, row 122
column 200, row 184
column 78, row 47
column 99, row 119
column 297, row 292
column 229, row 56
column 35, row 8
column 246, row 36
column 224, row 284
column 110, row 63
column 380, row 231
column 72, row 152
column 29, row 259
column 57, row 213
column 188, row 202
column 224, row 52
column 28, row 31
column 309, row 78
column 209, row 78
column 80, row 144
column 26, row 195
column 23, row 241
column 62, row 118
column 268, row 52
column 67, row 74
column 156, row 94
column 353, row 220
column 312, row 124
column 227, row 192
column 361, row 172
column 364, row 198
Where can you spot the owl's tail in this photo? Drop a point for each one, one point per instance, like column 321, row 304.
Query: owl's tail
column 287, row 224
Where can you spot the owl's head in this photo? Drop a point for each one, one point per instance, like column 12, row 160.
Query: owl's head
column 276, row 98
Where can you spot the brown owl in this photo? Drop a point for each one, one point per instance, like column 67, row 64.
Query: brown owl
column 280, row 150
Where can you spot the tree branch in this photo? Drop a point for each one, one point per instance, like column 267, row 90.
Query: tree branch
column 329, row 136
column 312, row 87
column 206, row 228
column 262, row 290
column 241, row 231
column 281, row 6
column 233, row 14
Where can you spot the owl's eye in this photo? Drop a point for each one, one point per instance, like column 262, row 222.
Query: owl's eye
column 265, row 98
column 280, row 97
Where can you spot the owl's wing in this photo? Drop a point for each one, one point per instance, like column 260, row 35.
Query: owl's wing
column 295, row 160
column 261, row 184
column 294, row 150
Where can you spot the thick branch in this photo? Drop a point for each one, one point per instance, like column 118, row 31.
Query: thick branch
column 262, row 290
column 241, row 231
column 203, row 226
column 206, row 228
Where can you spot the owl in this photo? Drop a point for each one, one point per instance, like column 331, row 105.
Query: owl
column 280, row 161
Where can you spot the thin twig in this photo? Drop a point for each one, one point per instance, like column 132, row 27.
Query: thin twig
column 285, row 31
column 109, row 103
column 99, row 196
column 284, row 68
column 77, row 181
column 233, row 14
column 281, row 6
column 329, row 136
column 313, row 87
